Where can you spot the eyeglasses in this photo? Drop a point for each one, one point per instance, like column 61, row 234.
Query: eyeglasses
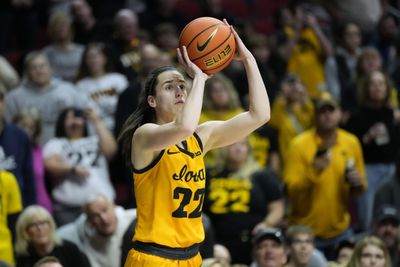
column 38, row 224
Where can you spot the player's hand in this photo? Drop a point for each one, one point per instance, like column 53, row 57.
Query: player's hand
column 191, row 69
column 241, row 52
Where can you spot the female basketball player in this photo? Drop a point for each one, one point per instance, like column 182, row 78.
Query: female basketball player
column 166, row 146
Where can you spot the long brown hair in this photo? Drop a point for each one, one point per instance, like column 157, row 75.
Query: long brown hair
column 143, row 113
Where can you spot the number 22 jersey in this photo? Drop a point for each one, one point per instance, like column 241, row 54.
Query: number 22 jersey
column 170, row 194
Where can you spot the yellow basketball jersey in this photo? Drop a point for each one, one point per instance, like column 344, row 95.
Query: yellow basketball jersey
column 169, row 195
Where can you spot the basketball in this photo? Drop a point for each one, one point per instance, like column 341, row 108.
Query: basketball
column 210, row 44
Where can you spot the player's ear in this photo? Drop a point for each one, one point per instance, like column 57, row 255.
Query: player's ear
column 152, row 101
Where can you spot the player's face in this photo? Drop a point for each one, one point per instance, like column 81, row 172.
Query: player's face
column 101, row 215
column 372, row 256
column 170, row 95
column 301, row 248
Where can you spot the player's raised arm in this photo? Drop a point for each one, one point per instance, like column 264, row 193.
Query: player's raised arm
column 221, row 133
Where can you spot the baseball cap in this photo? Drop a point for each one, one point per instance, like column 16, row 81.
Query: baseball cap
column 387, row 212
column 268, row 233
column 325, row 100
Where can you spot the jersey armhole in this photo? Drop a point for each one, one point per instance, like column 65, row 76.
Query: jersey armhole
column 198, row 140
column 151, row 165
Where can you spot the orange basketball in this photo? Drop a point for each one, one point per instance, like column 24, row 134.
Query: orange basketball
column 209, row 42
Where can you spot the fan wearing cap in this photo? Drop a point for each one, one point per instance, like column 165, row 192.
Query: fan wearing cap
column 269, row 248
column 324, row 167
column 386, row 227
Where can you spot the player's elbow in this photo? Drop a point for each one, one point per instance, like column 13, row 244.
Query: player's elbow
column 263, row 117
column 187, row 130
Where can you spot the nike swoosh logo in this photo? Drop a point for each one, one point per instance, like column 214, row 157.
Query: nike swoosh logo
column 203, row 46
column 172, row 152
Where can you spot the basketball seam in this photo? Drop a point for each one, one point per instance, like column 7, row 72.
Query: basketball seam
column 193, row 60
column 194, row 37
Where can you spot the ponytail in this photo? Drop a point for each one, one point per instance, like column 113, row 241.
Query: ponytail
column 143, row 113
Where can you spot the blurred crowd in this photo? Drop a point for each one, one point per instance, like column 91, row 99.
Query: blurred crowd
column 318, row 185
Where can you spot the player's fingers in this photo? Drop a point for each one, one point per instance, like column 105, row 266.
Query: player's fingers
column 180, row 56
column 186, row 56
column 226, row 22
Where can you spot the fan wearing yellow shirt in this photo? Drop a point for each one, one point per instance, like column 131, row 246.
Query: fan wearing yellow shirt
column 10, row 206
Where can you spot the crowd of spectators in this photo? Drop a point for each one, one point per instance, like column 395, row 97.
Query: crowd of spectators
column 316, row 186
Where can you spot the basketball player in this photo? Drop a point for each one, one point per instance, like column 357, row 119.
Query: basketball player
column 166, row 146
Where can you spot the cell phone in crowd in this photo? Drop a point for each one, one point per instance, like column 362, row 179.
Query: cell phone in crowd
column 321, row 151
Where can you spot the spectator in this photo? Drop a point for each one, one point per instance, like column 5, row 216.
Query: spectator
column 300, row 242
column 16, row 156
column 366, row 14
column 97, row 81
column 48, row 261
column 293, row 112
column 386, row 227
column 99, row 231
column 63, row 54
column 42, row 92
column 271, row 65
column 221, row 102
column 306, row 49
column 87, row 27
column 375, row 126
column 77, row 163
column 260, row 204
column 222, row 254
column 166, row 38
column 125, row 45
column 324, row 168
column 11, row 205
column 368, row 62
column 162, row 11
column 269, row 248
column 31, row 123
column 340, row 69
column 388, row 192
column 37, row 238
column 370, row 251
column 387, row 29
column 343, row 251
column 9, row 78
